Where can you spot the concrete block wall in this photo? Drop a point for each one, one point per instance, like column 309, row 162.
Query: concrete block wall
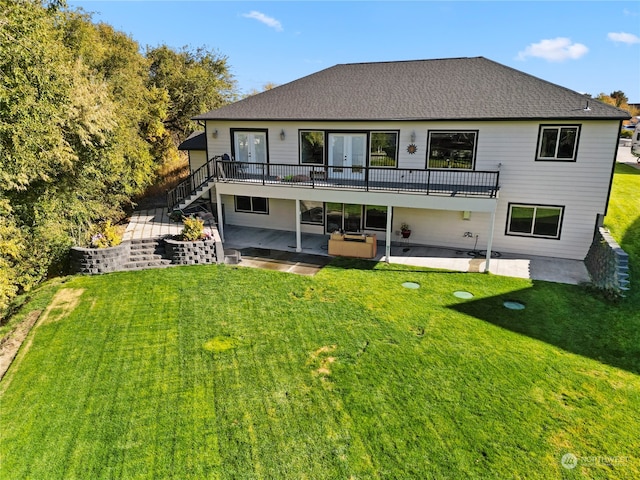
column 99, row 260
column 191, row 253
column 608, row 264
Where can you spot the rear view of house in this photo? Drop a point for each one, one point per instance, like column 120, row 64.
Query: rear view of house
column 465, row 151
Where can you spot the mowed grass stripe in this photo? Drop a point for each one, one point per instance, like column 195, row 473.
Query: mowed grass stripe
column 219, row 372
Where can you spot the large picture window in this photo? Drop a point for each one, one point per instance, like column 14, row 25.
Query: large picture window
column 558, row 142
column 311, row 212
column 384, row 149
column 312, row 147
column 535, row 221
column 452, row 149
column 252, row 204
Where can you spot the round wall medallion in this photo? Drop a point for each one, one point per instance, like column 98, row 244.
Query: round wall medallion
column 412, row 149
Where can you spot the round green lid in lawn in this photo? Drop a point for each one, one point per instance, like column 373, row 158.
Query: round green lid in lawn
column 513, row 305
column 462, row 294
column 412, row 285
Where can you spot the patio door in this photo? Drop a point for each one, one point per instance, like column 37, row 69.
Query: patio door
column 251, row 147
column 343, row 216
column 347, row 155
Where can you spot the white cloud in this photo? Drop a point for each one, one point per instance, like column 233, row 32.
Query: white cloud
column 261, row 17
column 555, row 50
column 622, row 37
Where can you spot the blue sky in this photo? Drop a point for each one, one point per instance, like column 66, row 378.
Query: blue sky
column 587, row 46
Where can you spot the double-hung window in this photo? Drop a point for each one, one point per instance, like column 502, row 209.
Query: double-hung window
column 542, row 221
column 558, row 142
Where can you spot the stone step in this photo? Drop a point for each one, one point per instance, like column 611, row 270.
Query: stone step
column 146, row 247
column 145, row 257
column 137, row 241
column 148, row 267
column 136, row 246
column 140, row 265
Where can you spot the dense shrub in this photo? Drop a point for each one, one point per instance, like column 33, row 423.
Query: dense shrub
column 193, row 229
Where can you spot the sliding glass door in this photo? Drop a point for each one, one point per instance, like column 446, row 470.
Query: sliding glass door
column 343, row 216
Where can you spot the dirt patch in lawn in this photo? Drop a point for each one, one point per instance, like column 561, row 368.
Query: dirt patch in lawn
column 62, row 304
column 320, row 359
column 10, row 344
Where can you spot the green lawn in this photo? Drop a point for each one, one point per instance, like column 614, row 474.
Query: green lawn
column 227, row 372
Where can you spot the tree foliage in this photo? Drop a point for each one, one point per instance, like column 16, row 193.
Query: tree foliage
column 85, row 121
column 196, row 80
column 620, row 100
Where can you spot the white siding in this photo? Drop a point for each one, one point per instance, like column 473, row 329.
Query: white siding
column 581, row 187
column 197, row 158
column 282, row 216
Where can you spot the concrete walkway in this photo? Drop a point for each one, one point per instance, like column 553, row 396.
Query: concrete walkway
column 625, row 156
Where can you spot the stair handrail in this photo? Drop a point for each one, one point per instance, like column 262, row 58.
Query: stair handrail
column 192, row 183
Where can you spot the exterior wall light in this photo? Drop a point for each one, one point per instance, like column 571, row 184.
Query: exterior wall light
column 413, row 136
column 214, row 134
column 282, row 135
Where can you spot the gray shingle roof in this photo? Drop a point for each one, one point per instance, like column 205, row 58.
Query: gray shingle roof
column 446, row 89
column 195, row 141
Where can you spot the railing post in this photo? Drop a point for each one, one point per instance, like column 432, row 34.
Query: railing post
column 366, row 178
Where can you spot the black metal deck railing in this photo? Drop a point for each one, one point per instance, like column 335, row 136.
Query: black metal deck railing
column 198, row 179
column 460, row 183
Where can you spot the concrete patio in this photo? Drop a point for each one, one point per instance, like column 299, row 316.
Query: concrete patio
column 155, row 223
column 536, row 268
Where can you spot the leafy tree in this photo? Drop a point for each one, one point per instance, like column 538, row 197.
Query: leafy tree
column 619, row 97
column 196, row 80
column 85, row 122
